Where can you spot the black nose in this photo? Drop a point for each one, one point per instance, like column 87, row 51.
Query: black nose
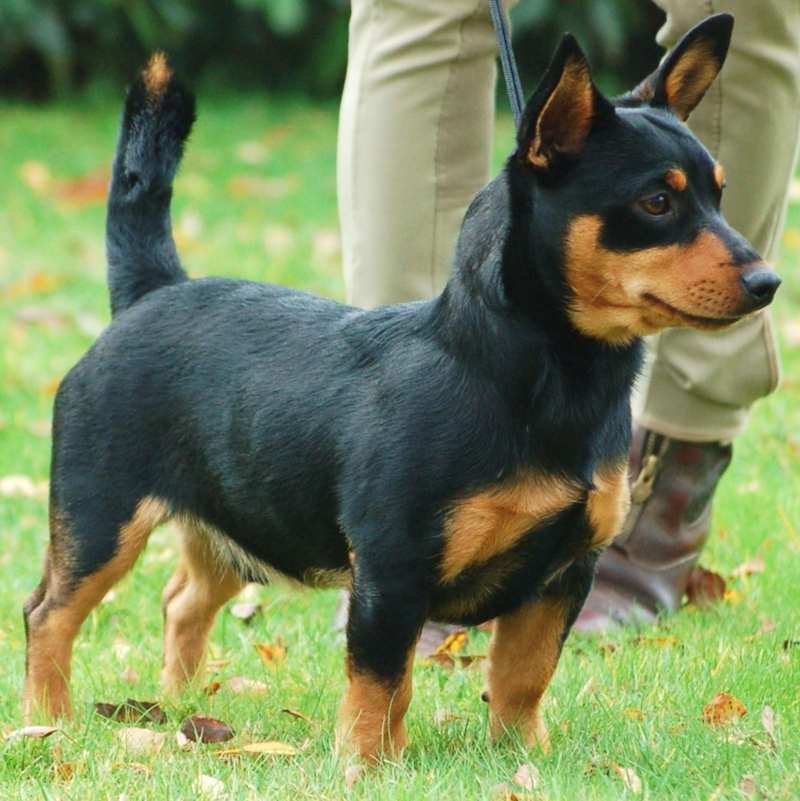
column 760, row 285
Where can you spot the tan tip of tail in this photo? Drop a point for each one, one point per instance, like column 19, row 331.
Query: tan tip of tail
column 156, row 76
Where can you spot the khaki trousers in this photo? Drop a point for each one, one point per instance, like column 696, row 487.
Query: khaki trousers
column 414, row 147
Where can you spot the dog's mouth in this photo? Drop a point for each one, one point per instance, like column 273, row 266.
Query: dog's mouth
column 694, row 320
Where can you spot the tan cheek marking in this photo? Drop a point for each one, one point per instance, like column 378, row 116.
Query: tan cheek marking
column 523, row 656
column 676, row 178
column 370, row 720
column 490, row 522
column 608, row 286
column 719, row 175
column 608, row 503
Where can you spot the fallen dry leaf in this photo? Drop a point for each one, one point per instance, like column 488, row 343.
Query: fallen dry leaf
column 132, row 711
column 749, row 568
column 733, row 597
column 587, row 688
column 38, row 282
column 768, row 722
column 705, row 587
column 210, row 787
column 19, row 486
column 245, row 611
column 293, row 713
column 142, row 741
column 629, row 778
column 199, row 728
column 270, row 748
column 267, row 748
column 121, row 649
column 36, row 175
column 271, row 655
column 129, row 676
column 89, row 324
column 247, row 186
column 765, row 628
column 64, row 771
column 139, row 767
column 747, row 786
column 278, row 240
column 659, row 642
column 45, row 316
column 184, row 743
column 352, row 773
column 84, row 190
column 443, row 716
column 452, row 643
column 723, row 708
column 528, row 776
column 252, row 152
column 503, row 792
column 326, row 245
column 33, row 732
column 240, row 685
column 791, row 332
column 49, row 388
column 450, row 660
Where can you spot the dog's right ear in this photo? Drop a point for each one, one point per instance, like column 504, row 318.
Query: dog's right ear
column 563, row 110
column 688, row 70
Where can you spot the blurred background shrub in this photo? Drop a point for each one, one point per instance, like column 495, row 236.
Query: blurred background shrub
column 50, row 48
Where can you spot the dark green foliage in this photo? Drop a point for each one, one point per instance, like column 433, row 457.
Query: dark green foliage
column 618, row 36
column 51, row 47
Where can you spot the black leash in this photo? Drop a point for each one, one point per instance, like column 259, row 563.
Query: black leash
column 510, row 72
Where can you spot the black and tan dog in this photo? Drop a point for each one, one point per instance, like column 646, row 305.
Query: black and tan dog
column 459, row 460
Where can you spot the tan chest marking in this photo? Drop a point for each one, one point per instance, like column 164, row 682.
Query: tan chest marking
column 493, row 520
column 608, row 503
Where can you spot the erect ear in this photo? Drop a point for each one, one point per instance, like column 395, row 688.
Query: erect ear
column 562, row 111
column 689, row 69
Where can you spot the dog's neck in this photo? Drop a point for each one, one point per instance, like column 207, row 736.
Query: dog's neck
column 505, row 305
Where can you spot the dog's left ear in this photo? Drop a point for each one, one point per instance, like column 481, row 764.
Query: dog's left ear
column 562, row 111
column 688, row 71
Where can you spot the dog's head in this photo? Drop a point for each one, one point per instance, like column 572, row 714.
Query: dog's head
column 632, row 197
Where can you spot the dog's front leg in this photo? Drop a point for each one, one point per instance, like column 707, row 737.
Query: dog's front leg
column 383, row 626
column 524, row 652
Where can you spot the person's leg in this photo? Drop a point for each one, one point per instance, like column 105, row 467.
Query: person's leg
column 698, row 388
column 415, row 135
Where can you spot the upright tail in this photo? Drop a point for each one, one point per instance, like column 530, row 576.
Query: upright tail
column 141, row 254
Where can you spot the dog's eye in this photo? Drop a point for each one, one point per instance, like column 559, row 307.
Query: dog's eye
column 657, row 205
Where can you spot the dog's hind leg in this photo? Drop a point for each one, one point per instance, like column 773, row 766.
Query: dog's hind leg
column 525, row 648
column 193, row 596
column 85, row 558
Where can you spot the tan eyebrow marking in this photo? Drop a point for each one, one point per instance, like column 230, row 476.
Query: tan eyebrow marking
column 676, row 178
column 719, row 175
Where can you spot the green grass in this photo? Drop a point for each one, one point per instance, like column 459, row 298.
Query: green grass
column 644, row 706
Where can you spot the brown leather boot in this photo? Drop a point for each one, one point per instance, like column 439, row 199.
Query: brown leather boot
column 647, row 567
